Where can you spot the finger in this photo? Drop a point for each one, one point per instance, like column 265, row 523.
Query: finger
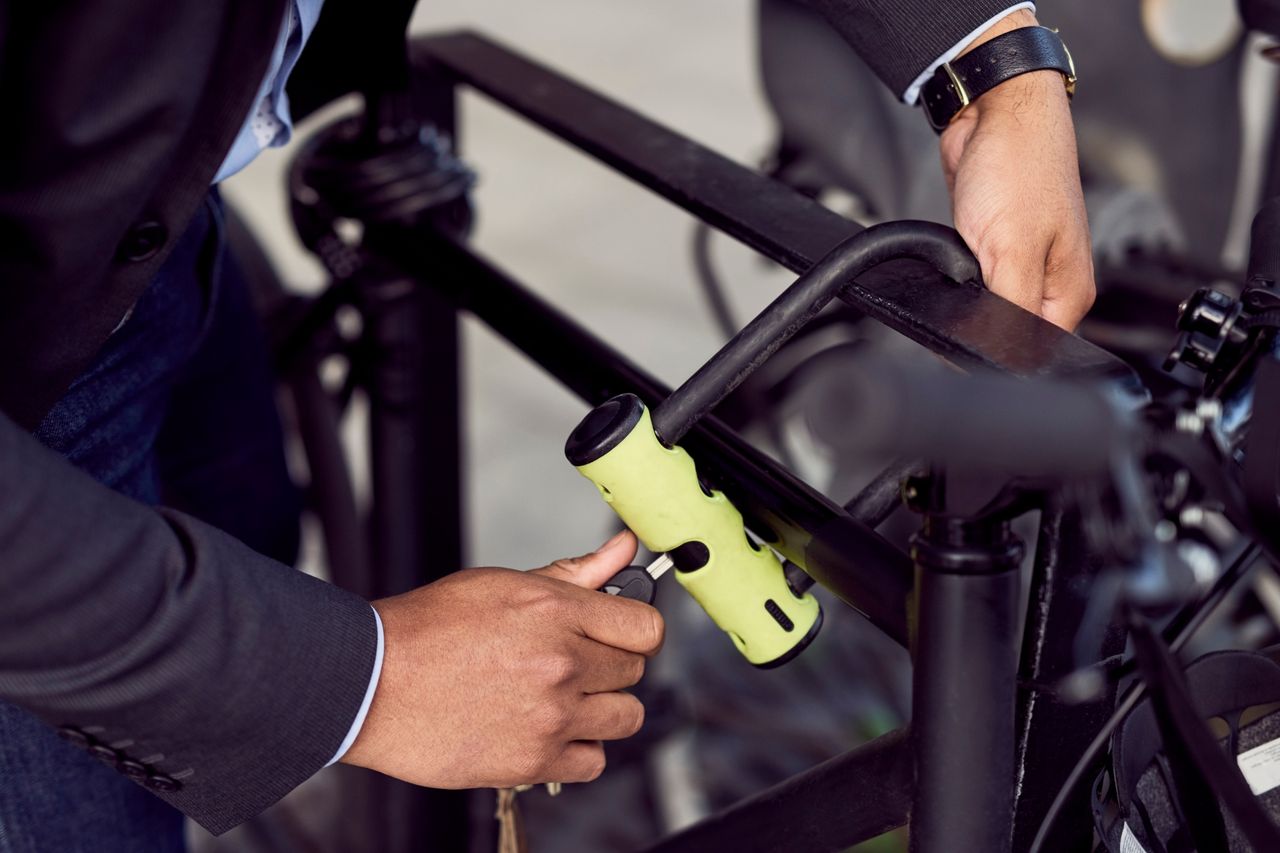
column 619, row 622
column 1066, row 314
column 607, row 716
column 592, row 570
column 622, row 623
column 1016, row 274
column 581, row 761
column 1069, row 286
column 605, row 669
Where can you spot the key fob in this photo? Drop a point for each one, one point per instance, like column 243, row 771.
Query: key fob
column 632, row 582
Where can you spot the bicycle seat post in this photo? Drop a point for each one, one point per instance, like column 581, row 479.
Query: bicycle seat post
column 964, row 651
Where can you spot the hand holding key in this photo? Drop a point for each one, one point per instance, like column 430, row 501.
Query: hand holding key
column 494, row 678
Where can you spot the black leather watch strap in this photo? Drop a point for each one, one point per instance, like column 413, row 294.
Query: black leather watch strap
column 958, row 83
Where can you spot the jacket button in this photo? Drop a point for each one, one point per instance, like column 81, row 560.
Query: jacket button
column 133, row 769
column 162, row 783
column 105, row 753
column 75, row 737
column 142, row 242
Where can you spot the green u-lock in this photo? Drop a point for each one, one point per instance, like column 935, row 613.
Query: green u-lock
column 656, row 492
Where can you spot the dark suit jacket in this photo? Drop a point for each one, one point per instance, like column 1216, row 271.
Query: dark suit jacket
column 151, row 626
column 159, row 635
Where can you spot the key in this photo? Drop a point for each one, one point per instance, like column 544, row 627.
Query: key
column 638, row 583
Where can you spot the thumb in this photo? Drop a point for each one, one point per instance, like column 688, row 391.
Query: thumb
column 592, row 570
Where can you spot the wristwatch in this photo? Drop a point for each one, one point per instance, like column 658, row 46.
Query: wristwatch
column 958, row 83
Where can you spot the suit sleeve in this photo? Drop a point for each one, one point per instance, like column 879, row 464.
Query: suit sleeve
column 231, row 677
column 899, row 39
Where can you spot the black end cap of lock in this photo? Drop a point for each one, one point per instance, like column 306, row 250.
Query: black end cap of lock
column 794, row 652
column 603, row 429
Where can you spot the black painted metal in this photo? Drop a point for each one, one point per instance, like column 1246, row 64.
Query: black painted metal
column 879, row 498
column 1052, row 734
column 936, row 244
column 851, row 798
column 409, row 361
column 346, row 546
column 964, row 663
column 967, row 324
column 859, row 795
column 415, row 522
column 392, row 314
column 329, row 490
column 840, row 553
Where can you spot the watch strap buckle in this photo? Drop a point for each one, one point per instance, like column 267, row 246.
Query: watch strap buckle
column 942, row 111
column 1070, row 77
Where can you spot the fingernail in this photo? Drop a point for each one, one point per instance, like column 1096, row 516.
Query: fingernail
column 614, row 541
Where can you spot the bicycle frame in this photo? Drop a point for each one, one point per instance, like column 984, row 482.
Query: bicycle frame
column 875, row 787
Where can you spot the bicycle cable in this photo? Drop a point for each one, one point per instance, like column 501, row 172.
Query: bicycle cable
column 712, row 288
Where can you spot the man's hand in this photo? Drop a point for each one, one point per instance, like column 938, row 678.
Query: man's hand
column 1011, row 165
column 493, row 677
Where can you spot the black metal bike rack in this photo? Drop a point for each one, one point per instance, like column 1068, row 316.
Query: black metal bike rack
column 875, row 787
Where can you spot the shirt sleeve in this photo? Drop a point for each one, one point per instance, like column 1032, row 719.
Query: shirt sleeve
column 901, row 39
column 358, row 723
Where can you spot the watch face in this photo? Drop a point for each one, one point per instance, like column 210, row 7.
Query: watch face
column 1192, row 32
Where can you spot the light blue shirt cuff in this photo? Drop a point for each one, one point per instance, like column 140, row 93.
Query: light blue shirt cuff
column 358, row 722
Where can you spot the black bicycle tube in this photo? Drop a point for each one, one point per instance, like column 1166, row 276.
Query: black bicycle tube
column 964, row 655
column 763, row 336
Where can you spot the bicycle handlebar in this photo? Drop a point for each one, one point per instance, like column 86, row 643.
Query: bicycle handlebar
column 982, row 422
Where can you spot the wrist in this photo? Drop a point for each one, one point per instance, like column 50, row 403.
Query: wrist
column 1015, row 68
column 1035, row 93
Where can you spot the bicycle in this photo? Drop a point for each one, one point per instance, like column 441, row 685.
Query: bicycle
column 396, row 172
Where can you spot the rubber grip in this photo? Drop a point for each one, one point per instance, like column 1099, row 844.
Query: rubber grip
column 655, row 491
